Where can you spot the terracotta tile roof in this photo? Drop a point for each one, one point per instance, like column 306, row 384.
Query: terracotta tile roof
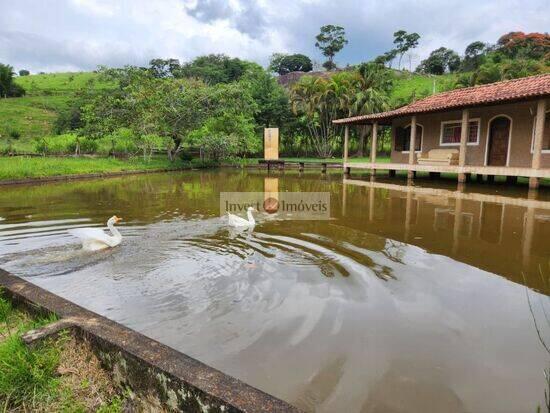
column 499, row 92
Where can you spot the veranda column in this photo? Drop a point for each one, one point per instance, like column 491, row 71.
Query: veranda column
column 539, row 133
column 346, row 143
column 412, row 146
column 464, row 132
column 373, row 145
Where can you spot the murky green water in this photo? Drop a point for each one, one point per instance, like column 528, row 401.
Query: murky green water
column 408, row 300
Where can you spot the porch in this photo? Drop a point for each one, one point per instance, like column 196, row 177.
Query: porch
column 501, row 129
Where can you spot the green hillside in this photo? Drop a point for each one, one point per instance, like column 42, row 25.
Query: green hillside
column 412, row 84
column 33, row 115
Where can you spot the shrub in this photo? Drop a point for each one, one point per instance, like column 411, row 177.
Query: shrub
column 150, row 142
column 14, row 134
column 57, row 145
column 120, row 142
column 87, row 145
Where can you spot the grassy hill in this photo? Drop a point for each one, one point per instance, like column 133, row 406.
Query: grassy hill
column 33, row 115
column 408, row 84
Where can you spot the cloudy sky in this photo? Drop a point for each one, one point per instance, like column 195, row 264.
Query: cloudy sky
column 70, row 35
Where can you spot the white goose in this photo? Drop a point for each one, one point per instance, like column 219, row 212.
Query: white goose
column 237, row 221
column 94, row 239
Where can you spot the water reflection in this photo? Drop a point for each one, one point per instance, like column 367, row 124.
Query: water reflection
column 507, row 235
column 409, row 299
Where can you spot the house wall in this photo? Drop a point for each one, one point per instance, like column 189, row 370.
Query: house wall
column 522, row 115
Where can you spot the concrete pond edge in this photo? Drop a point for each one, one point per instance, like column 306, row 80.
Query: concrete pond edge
column 164, row 377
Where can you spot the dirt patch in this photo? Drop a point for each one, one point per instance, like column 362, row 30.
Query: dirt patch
column 83, row 377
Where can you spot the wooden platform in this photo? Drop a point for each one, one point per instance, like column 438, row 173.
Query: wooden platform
column 478, row 170
column 281, row 163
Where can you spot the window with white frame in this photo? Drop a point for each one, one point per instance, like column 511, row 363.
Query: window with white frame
column 545, row 136
column 451, row 130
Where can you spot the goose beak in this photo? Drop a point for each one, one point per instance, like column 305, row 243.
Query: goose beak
column 117, row 219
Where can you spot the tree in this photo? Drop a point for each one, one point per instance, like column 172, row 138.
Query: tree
column 330, row 41
column 8, row 88
column 320, row 100
column 271, row 100
column 373, row 95
column 283, row 63
column 386, row 58
column 24, row 72
column 440, row 61
column 164, row 67
column 226, row 135
column 6, row 79
column 473, row 55
column 525, row 45
column 404, row 42
column 215, row 68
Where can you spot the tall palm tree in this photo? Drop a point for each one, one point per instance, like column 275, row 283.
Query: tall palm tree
column 372, row 96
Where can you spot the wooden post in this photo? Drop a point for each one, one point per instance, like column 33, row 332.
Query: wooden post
column 412, row 146
column 539, row 133
column 464, row 132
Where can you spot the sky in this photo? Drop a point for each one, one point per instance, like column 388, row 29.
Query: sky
column 78, row 35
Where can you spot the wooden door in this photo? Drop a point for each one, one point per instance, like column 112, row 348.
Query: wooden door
column 499, row 134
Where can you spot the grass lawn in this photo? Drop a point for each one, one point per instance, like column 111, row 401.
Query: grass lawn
column 58, row 374
column 19, row 167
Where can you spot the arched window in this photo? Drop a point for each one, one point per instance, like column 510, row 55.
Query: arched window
column 403, row 138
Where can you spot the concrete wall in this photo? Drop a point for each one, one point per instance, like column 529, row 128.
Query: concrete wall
column 522, row 115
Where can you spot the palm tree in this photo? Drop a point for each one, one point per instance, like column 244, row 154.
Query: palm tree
column 348, row 93
column 373, row 95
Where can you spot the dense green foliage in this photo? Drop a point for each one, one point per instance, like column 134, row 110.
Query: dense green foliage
column 282, row 64
column 318, row 101
column 8, row 88
column 440, row 61
column 514, row 55
column 169, row 113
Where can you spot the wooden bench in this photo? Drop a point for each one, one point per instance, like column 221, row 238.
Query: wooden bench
column 439, row 157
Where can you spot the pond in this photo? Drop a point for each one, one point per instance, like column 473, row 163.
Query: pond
column 409, row 299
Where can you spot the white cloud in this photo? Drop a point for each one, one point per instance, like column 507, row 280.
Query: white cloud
column 81, row 34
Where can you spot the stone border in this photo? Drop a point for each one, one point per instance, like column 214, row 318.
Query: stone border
column 151, row 370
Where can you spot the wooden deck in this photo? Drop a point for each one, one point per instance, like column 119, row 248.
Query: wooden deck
column 478, row 170
column 301, row 165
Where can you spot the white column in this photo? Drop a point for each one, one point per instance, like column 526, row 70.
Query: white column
column 464, row 132
column 539, row 133
column 346, row 144
column 374, row 142
column 412, row 145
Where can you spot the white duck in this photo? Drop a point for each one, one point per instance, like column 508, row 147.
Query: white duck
column 237, row 221
column 94, row 239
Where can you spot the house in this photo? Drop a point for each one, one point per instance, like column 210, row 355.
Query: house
column 499, row 129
